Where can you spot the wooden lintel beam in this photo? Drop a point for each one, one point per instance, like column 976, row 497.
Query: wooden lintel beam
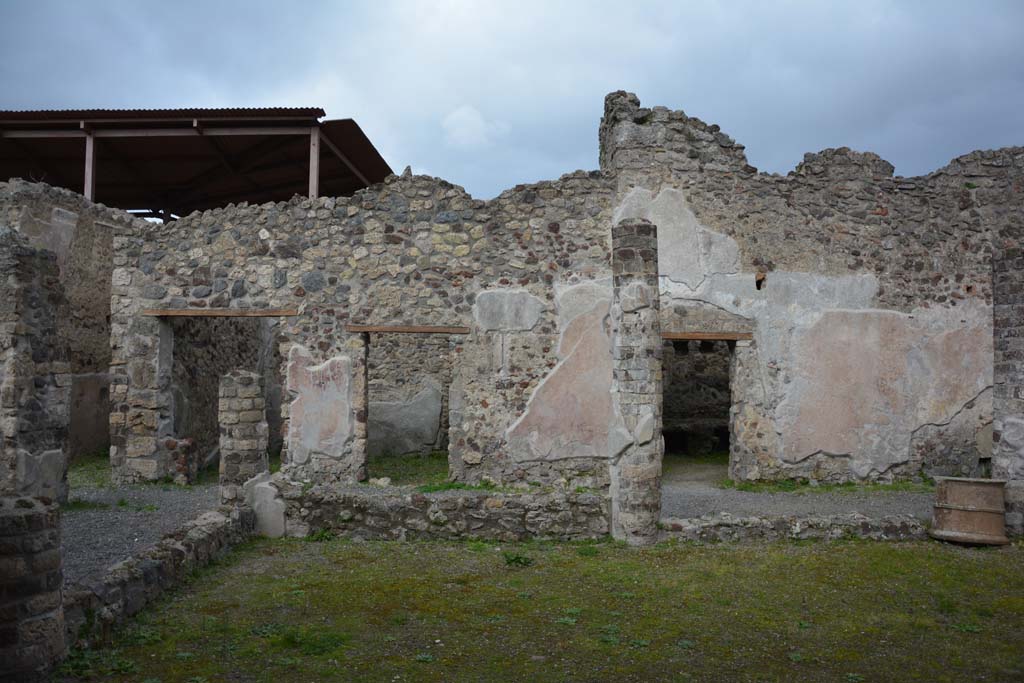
column 89, row 182
column 345, row 160
column 707, row 336
column 314, row 162
column 220, row 312
column 407, row 329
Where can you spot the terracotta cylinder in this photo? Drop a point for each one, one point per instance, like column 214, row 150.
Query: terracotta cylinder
column 969, row 511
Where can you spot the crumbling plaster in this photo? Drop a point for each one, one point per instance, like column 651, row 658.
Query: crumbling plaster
column 861, row 272
column 847, row 380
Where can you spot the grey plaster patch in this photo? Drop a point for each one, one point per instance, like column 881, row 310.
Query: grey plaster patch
column 265, row 500
column 1008, row 456
column 42, row 474
column 397, row 427
column 507, row 310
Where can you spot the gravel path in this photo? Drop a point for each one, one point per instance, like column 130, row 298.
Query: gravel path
column 691, row 491
column 135, row 518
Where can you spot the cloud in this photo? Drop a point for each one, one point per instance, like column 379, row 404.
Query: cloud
column 465, row 128
column 488, row 95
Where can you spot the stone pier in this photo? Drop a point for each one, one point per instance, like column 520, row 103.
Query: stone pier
column 636, row 382
column 243, row 431
column 31, row 608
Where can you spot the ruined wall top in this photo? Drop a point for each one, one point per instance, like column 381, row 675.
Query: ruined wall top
column 634, row 138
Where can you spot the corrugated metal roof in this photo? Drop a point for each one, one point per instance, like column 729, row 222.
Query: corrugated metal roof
column 42, row 115
column 155, row 158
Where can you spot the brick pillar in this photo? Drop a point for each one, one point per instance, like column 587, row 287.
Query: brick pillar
column 636, row 381
column 243, row 431
column 31, row 607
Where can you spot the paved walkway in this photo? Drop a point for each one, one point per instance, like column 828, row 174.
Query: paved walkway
column 691, row 490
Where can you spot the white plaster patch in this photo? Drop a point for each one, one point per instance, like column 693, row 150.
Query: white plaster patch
column 687, row 251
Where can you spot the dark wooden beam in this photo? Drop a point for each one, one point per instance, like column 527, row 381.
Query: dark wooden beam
column 89, row 182
column 314, row 162
column 707, row 336
column 407, row 329
column 220, row 312
column 345, row 160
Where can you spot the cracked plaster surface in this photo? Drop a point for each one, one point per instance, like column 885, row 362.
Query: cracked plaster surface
column 321, row 419
column 570, row 413
column 839, row 376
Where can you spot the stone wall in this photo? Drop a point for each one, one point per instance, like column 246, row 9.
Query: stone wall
column 204, row 350
column 869, row 296
column 243, row 431
column 80, row 235
column 31, row 614
column 34, row 372
column 861, row 291
column 414, row 251
column 285, row 507
column 1008, row 280
column 409, row 378
column 93, row 611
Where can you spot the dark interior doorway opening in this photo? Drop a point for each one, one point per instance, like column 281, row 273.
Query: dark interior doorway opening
column 409, row 377
column 696, row 402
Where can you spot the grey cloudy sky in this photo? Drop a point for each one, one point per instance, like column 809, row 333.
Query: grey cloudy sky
column 488, row 94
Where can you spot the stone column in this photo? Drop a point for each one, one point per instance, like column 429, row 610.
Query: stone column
column 31, row 607
column 1008, row 393
column 243, row 431
column 636, row 381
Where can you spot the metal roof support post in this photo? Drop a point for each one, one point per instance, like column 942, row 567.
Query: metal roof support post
column 89, row 189
column 314, row 162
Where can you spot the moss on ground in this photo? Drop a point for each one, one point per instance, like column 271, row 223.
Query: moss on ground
column 424, row 470
column 289, row 610
column 90, row 471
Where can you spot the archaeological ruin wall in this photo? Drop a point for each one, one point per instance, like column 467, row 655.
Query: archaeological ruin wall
column 35, row 377
column 79, row 234
column 856, row 309
column 869, row 296
column 519, row 271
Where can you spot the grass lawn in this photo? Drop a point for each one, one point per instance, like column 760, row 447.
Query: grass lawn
column 289, row 610
column 90, row 471
column 429, row 469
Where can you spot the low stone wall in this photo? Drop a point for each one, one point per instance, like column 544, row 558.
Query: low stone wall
column 31, row 620
column 400, row 514
column 725, row 527
column 92, row 609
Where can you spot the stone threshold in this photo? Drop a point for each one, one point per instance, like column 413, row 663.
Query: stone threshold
column 726, row 527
